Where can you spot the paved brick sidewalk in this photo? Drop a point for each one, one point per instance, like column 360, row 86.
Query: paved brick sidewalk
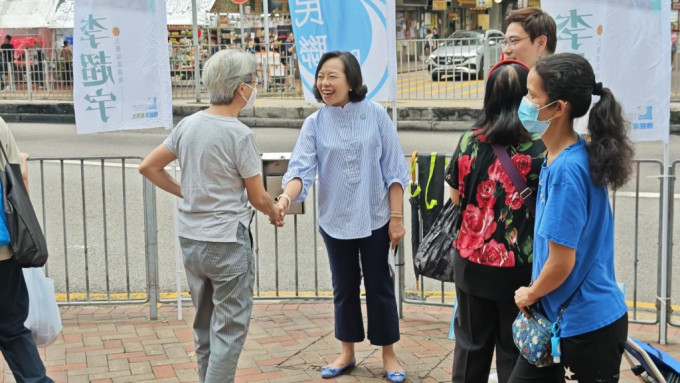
column 288, row 342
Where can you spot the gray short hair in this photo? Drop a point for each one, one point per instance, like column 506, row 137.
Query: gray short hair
column 224, row 72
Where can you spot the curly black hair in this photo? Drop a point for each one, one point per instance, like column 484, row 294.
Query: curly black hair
column 569, row 77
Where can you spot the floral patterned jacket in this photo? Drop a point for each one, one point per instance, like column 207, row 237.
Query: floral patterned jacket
column 496, row 227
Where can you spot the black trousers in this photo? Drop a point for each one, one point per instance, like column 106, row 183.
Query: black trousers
column 381, row 306
column 16, row 342
column 593, row 357
column 482, row 325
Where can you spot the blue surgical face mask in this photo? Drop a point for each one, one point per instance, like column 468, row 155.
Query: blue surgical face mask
column 528, row 115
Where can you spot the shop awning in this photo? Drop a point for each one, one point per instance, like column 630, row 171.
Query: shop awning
column 179, row 12
column 26, row 13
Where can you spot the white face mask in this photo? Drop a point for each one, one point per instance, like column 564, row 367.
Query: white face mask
column 250, row 102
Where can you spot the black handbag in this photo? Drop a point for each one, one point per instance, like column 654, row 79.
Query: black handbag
column 436, row 254
column 26, row 238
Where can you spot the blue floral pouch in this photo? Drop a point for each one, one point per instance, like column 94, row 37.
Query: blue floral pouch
column 532, row 337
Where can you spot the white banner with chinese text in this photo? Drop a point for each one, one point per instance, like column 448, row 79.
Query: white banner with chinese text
column 121, row 66
column 364, row 27
column 628, row 44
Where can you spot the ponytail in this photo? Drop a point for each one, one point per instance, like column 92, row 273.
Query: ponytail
column 569, row 77
column 609, row 149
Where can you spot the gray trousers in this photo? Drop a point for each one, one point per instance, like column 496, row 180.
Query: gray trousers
column 220, row 277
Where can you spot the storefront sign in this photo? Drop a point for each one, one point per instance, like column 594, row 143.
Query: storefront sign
column 321, row 26
column 439, row 5
column 600, row 32
column 464, row 3
column 121, row 68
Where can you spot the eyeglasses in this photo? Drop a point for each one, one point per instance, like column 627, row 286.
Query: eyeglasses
column 512, row 42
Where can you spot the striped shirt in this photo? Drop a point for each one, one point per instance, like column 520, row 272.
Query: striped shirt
column 358, row 156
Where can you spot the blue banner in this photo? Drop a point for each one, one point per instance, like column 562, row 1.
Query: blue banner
column 364, row 27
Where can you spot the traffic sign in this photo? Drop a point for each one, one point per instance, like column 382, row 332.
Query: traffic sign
column 238, row 1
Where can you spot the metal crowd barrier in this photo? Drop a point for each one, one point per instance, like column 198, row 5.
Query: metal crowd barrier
column 637, row 249
column 100, row 228
column 112, row 240
column 673, row 237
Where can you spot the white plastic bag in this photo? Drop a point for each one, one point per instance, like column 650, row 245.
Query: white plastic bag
column 44, row 319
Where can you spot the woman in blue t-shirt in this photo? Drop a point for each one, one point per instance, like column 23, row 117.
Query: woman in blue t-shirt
column 574, row 230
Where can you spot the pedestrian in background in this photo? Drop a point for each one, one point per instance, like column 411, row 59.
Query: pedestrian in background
column 16, row 341
column 67, row 56
column 574, row 232
column 7, row 63
column 354, row 145
column 531, row 34
column 494, row 242
column 37, row 68
column 220, row 174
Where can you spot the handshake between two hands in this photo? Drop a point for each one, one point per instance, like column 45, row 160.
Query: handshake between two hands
column 278, row 212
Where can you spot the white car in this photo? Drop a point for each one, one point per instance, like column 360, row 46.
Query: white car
column 463, row 53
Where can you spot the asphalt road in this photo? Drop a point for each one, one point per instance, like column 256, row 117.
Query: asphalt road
column 94, row 221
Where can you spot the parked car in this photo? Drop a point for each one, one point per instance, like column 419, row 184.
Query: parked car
column 462, row 53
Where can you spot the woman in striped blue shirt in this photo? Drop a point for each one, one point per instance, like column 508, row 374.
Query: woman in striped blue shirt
column 354, row 145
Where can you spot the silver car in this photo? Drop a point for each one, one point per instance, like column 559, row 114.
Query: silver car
column 462, row 53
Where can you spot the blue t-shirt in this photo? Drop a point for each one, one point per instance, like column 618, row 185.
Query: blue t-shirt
column 4, row 233
column 574, row 212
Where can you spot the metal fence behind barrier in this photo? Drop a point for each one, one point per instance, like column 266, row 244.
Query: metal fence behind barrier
column 36, row 74
column 445, row 68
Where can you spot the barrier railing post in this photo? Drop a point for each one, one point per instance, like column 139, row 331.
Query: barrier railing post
column 151, row 247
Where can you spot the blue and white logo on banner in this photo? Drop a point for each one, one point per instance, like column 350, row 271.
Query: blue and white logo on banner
column 363, row 27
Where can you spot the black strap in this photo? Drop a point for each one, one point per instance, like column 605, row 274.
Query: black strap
column 516, row 178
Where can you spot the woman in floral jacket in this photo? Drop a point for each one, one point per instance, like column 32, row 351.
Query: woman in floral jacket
column 495, row 238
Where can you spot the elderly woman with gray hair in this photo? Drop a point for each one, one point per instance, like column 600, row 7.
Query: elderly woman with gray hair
column 220, row 174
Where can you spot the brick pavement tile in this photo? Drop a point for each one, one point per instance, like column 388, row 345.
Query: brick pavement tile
column 86, row 371
column 66, row 367
column 133, row 347
column 58, row 376
column 76, row 357
column 187, row 375
column 140, row 368
column 148, row 358
column 241, row 372
column 184, row 334
column 134, row 378
column 163, row 371
column 97, row 361
column 78, row 379
column 110, row 375
column 73, row 338
column 57, row 352
column 113, row 344
column 84, row 349
column 175, row 352
column 119, row 365
column 265, row 376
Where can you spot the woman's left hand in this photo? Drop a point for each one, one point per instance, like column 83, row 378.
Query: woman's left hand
column 524, row 298
column 396, row 230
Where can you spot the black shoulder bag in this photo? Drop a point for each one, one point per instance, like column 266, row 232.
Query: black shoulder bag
column 26, row 238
